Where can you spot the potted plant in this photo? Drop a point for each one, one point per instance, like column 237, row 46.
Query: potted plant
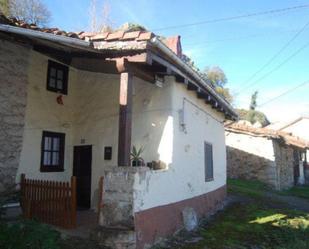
column 136, row 158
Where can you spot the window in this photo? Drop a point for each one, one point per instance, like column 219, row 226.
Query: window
column 209, row 171
column 52, row 151
column 57, row 77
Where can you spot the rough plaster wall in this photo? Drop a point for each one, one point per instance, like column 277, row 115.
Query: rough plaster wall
column 96, row 119
column 250, row 157
column 89, row 113
column 151, row 109
column 185, row 177
column 285, row 163
column 43, row 113
column 13, row 97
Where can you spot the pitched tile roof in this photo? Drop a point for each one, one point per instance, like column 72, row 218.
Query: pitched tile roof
column 265, row 132
column 93, row 36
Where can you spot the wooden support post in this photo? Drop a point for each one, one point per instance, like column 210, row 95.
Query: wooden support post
column 73, row 203
column 125, row 118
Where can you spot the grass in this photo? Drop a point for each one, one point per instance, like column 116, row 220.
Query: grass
column 254, row 189
column 256, row 226
column 299, row 191
column 257, row 222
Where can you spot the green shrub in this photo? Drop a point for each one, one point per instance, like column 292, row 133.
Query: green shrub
column 27, row 234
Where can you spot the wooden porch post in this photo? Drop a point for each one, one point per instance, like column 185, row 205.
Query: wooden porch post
column 125, row 118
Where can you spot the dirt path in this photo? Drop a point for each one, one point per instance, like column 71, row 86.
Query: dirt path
column 290, row 201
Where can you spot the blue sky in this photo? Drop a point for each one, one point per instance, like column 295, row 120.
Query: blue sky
column 240, row 47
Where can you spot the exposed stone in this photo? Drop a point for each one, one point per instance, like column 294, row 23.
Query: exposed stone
column 13, row 94
column 260, row 158
column 115, row 238
column 190, row 219
column 117, row 211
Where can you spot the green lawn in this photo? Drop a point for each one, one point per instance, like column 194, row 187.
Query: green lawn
column 256, row 226
column 257, row 222
column 299, row 191
column 254, row 189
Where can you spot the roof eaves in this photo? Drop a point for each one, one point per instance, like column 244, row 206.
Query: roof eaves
column 187, row 68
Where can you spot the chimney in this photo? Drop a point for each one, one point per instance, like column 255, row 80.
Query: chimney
column 174, row 44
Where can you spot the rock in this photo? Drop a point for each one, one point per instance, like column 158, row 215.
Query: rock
column 190, row 219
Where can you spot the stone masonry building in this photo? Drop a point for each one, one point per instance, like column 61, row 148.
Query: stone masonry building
column 275, row 158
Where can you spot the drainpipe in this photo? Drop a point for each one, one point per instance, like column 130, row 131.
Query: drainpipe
column 168, row 52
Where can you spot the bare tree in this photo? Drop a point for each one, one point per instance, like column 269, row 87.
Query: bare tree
column 30, row 11
column 4, row 7
column 99, row 16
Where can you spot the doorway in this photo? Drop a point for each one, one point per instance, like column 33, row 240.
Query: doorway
column 82, row 171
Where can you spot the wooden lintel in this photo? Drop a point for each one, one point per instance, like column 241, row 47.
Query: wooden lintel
column 59, row 55
column 191, row 86
column 137, row 58
column 179, row 79
column 200, row 93
column 214, row 105
column 208, row 99
column 94, row 65
column 143, row 74
column 123, row 65
column 125, row 118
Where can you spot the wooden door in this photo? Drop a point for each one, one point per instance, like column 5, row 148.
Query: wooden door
column 82, row 172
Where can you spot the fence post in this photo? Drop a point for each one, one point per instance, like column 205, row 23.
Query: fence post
column 100, row 199
column 22, row 191
column 73, row 203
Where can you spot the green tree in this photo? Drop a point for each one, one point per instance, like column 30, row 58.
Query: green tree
column 253, row 103
column 216, row 77
column 4, row 7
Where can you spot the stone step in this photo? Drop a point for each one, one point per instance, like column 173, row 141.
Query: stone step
column 114, row 238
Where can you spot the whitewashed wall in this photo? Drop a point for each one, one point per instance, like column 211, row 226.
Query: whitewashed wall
column 90, row 113
column 258, row 146
column 184, row 153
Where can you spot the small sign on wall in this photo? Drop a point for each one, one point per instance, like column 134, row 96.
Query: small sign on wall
column 107, row 153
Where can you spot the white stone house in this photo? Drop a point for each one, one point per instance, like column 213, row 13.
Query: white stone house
column 76, row 103
column 273, row 157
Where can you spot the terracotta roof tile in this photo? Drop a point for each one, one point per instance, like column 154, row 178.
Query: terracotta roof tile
column 265, row 132
column 131, row 35
column 145, row 36
column 115, row 36
column 100, row 36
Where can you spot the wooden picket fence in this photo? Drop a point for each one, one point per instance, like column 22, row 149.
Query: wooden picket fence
column 50, row 202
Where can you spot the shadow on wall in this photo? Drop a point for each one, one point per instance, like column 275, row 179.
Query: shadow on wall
column 244, row 165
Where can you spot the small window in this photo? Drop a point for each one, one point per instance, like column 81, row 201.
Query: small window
column 209, row 171
column 52, row 151
column 57, row 77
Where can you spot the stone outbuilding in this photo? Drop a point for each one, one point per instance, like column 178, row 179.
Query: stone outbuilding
column 300, row 128
column 273, row 157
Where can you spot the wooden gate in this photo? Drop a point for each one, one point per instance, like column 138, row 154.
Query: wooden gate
column 50, row 202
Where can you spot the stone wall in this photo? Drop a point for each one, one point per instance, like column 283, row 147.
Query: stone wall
column 117, row 210
column 251, row 158
column 13, row 97
column 243, row 165
column 285, row 163
column 260, row 158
